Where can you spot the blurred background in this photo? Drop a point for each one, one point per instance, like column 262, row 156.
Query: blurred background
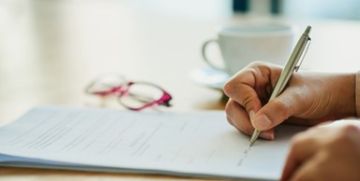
column 29, row 27
column 49, row 49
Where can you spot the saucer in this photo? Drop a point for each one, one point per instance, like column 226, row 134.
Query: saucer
column 210, row 77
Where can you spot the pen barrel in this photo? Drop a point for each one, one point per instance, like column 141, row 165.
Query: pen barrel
column 290, row 67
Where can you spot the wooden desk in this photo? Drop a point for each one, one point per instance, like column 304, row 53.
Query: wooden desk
column 50, row 55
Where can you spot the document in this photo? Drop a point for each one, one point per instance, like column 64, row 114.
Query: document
column 195, row 144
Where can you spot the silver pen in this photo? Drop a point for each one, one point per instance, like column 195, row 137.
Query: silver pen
column 291, row 66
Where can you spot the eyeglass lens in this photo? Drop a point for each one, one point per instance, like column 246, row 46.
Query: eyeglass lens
column 139, row 94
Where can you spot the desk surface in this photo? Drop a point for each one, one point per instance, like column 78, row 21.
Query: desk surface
column 48, row 57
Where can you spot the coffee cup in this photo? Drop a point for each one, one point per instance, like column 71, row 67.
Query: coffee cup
column 243, row 44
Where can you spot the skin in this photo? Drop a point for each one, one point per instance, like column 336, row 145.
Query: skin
column 332, row 155
column 309, row 99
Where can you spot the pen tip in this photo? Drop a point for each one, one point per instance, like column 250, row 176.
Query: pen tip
column 251, row 143
column 254, row 136
column 252, row 140
column 308, row 28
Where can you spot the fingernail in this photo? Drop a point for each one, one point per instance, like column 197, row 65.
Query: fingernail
column 252, row 115
column 262, row 122
column 267, row 135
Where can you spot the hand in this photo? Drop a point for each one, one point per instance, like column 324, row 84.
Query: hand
column 309, row 98
column 327, row 152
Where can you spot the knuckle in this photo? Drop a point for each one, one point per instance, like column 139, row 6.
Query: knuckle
column 350, row 128
column 229, row 88
column 347, row 130
column 345, row 135
column 229, row 107
column 247, row 102
column 256, row 63
column 260, row 65
column 235, row 84
column 242, row 79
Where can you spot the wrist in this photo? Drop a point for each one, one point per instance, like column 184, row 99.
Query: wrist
column 346, row 86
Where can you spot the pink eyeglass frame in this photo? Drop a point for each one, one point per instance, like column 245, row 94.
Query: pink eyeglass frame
column 123, row 90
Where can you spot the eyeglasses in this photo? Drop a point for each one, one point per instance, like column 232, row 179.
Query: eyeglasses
column 135, row 96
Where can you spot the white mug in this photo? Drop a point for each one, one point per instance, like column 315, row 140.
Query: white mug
column 242, row 44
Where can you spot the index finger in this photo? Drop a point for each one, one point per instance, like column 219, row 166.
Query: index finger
column 242, row 89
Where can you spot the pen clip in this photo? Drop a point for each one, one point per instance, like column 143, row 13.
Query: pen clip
column 303, row 55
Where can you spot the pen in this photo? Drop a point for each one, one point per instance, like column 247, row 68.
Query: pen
column 291, row 66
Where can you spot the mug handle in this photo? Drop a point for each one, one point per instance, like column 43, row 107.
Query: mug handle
column 204, row 55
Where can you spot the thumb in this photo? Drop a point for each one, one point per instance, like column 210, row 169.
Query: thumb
column 276, row 111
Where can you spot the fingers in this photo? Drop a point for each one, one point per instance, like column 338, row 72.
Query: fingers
column 303, row 147
column 250, row 87
column 239, row 118
column 278, row 110
column 242, row 90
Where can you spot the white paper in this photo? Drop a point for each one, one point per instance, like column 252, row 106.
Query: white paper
column 193, row 144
